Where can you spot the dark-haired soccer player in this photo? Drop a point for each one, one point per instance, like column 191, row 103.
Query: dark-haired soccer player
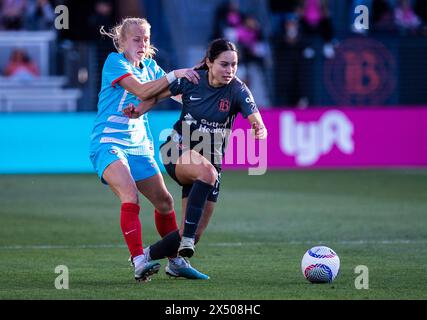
column 193, row 153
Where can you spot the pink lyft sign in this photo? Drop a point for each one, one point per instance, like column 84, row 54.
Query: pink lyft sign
column 334, row 138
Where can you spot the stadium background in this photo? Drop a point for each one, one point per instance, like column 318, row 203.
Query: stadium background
column 333, row 98
column 285, row 65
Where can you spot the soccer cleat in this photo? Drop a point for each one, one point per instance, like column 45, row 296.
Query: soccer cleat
column 180, row 268
column 144, row 269
column 146, row 253
column 186, row 247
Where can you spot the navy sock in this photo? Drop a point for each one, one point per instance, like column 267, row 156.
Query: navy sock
column 195, row 205
column 167, row 247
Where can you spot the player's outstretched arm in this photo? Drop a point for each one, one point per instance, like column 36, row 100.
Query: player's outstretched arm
column 133, row 111
column 147, row 90
column 257, row 125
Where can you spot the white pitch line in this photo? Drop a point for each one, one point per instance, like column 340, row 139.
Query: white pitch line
column 221, row 244
column 48, row 246
column 319, row 242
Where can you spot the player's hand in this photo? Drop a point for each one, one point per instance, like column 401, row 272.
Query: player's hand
column 260, row 132
column 190, row 74
column 132, row 112
column 144, row 106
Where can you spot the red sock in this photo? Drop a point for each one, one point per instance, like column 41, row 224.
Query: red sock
column 165, row 223
column 131, row 228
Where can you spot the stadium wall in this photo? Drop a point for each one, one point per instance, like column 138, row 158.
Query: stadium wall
column 315, row 138
column 56, row 142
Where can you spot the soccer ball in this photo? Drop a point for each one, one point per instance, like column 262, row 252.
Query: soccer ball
column 320, row 264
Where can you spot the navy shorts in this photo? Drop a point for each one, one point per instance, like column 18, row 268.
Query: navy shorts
column 170, row 151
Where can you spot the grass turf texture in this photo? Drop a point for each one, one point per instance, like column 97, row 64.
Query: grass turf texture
column 252, row 249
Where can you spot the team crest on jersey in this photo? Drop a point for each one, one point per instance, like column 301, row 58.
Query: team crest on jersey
column 152, row 163
column 224, row 105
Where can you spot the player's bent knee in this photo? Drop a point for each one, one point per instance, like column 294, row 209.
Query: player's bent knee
column 168, row 203
column 208, row 174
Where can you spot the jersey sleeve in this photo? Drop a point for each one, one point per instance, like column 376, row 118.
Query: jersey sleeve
column 245, row 101
column 178, row 86
column 115, row 69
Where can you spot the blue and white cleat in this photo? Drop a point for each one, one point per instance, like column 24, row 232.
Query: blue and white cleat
column 180, row 268
column 145, row 269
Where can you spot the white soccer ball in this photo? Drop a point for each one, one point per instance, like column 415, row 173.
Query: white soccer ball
column 320, row 264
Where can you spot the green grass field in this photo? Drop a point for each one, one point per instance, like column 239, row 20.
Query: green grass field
column 252, row 249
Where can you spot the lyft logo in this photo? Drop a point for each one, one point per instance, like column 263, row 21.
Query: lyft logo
column 307, row 141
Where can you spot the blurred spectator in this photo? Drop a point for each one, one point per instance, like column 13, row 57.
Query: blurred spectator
column 253, row 50
column 405, row 17
column 102, row 16
column 79, row 27
column 227, row 19
column 316, row 20
column 280, row 11
column 40, row 15
column 420, row 8
column 291, row 69
column 382, row 16
column 290, row 29
column 20, row 66
column 230, row 23
column 251, row 44
column 12, row 13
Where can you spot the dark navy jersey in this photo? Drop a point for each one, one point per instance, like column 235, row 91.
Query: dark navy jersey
column 208, row 114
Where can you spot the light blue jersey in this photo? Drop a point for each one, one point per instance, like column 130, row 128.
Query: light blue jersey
column 111, row 126
column 115, row 136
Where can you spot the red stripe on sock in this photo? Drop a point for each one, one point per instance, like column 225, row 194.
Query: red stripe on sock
column 131, row 228
column 165, row 223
